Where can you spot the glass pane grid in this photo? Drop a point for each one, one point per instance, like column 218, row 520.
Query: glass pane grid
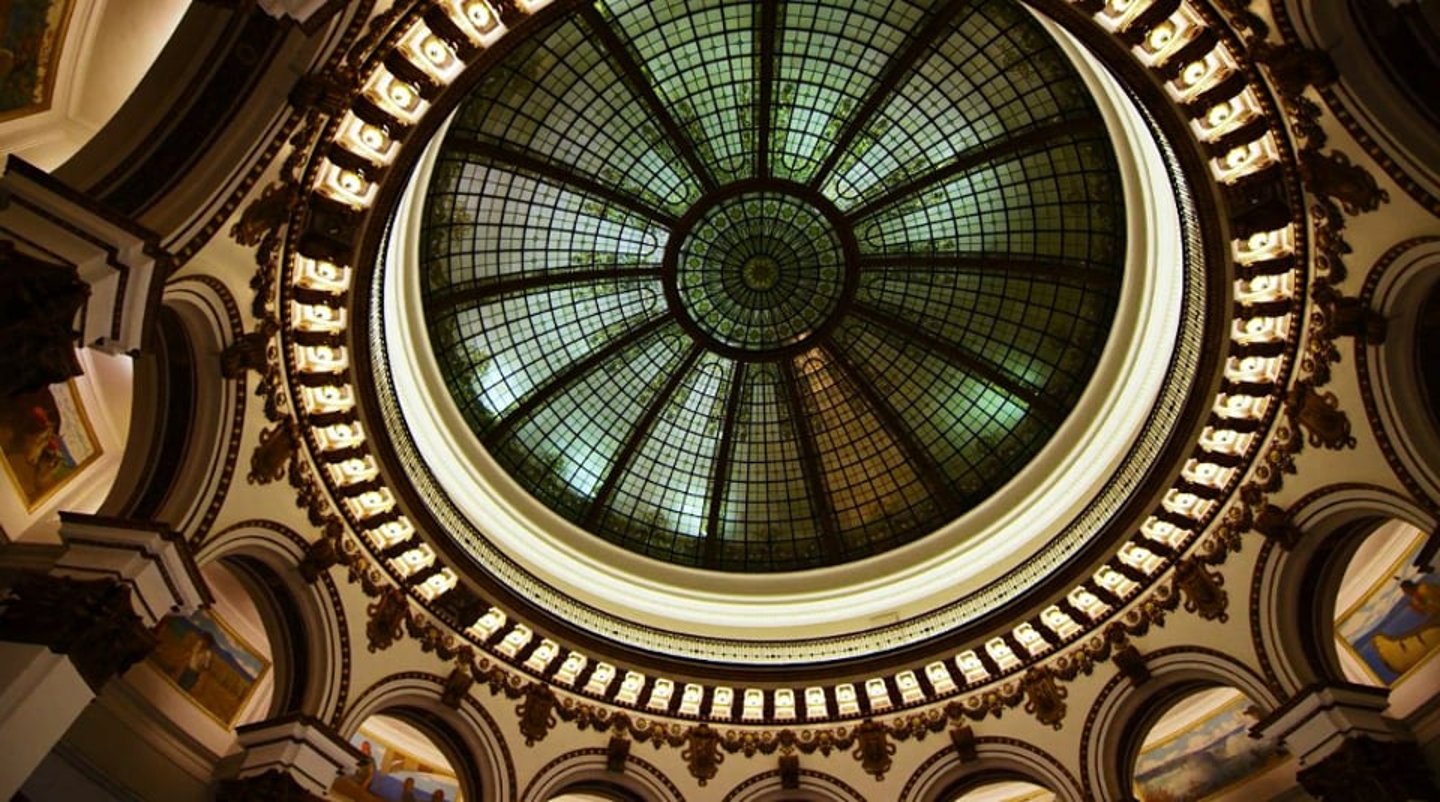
column 537, row 279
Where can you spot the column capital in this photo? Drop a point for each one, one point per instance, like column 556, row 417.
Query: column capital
column 1321, row 717
column 120, row 260
column 272, row 786
column 1366, row 770
column 92, row 622
column 149, row 558
column 299, row 747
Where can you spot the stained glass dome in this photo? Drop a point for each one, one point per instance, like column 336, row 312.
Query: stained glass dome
column 769, row 286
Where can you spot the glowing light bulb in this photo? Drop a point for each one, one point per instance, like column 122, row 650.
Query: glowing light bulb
column 479, row 15
column 402, row 95
column 374, row 138
column 351, row 182
column 435, row 51
column 1161, row 36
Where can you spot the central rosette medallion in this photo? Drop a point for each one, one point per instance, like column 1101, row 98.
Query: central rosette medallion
column 759, row 269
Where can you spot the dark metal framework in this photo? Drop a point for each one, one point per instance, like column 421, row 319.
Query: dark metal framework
column 952, row 151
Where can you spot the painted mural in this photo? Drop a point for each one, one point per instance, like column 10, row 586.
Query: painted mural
column 394, row 775
column 209, row 664
column 1396, row 625
column 31, row 34
column 45, row 440
column 1213, row 754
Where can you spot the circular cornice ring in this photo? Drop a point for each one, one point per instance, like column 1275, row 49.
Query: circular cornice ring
column 320, row 269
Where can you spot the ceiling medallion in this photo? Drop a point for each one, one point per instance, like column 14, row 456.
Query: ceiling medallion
column 760, row 269
column 320, row 289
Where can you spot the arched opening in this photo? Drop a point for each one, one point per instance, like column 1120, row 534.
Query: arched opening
column 211, row 670
column 1003, row 790
column 1387, row 615
column 1199, row 746
column 1427, row 352
column 595, row 791
column 184, row 411
column 284, row 626
column 165, row 387
column 412, row 756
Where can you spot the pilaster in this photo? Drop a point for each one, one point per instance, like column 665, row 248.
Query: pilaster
column 1347, row 749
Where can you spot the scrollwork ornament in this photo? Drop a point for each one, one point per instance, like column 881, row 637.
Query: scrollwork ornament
column 702, row 753
column 873, row 748
column 387, row 619
column 1319, row 414
column 272, row 456
column 1202, row 590
column 1044, row 697
column 1335, row 177
column 537, row 713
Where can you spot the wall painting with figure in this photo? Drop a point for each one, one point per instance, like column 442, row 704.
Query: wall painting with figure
column 1395, row 626
column 31, row 35
column 45, row 441
column 395, row 773
column 207, row 662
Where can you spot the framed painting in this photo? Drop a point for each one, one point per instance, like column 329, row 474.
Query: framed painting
column 209, row 664
column 31, row 35
column 393, row 774
column 1395, row 626
column 1213, row 754
column 45, row 441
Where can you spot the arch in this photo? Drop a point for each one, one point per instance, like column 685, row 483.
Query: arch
column 305, row 621
column 586, row 768
column 468, row 737
column 1122, row 713
column 183, row 406
column 815, row 786
column 1398, row 287
column 943, row 775
column 1381, row 105
column 1294, row 591
column 106, row 49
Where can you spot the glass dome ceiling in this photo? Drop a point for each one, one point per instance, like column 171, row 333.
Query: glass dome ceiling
column 769, row 286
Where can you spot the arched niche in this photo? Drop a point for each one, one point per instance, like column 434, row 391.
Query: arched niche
column 1386, row 629
column 212, row 670
column 1397, row 375
column 1124, row 716
column 1002, row 790
column 812, row 786
column 101, row 49
column 596, row 791
column 300, row 619
column 999, row 766
column 467, row 738
column 1354, row 34
column 411, row 755
column 179, row 446
column 586, row 771
column 1298, row 591
column 1198, row 746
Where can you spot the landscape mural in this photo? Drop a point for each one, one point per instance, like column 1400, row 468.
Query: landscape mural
column 1396, row 625
column 209, row 663
column 31, row 34
column 1209, row 756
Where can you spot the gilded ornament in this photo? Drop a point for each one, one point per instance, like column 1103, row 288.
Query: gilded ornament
column 537, row 713
column 702, row 753
column 873, row 748
column 1202, row 590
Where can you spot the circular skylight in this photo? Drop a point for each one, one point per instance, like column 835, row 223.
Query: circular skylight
column 772, row 286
